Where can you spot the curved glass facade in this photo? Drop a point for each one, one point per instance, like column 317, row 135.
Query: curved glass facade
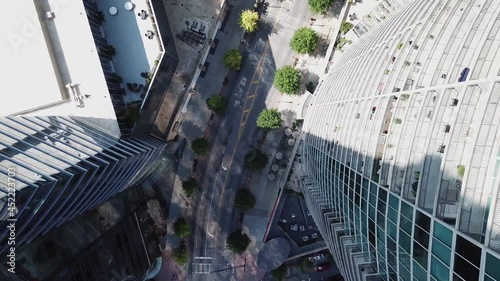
column 402, row 147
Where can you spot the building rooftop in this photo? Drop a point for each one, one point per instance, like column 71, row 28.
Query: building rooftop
column 53, row 64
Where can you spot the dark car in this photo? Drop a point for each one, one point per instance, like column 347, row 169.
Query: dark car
column 322, row 268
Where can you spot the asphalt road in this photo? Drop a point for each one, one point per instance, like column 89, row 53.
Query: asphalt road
column 222, row 171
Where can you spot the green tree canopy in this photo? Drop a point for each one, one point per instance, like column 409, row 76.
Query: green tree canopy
column 200, row 145
column 244, row 199
column 269, row 119
column 181, row 254
column 345, row 27
column 232, row 59
column 255, row 160
column 248, row 20
column 238, row 242
column 287, row 80
column 306, row 265
column 182, row 227
column 319, row 6
column 304, row 41
column 216, row 103
column 280, row 272
column 190, row 186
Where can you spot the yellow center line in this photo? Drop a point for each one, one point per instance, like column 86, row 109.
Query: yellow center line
column 243, row 120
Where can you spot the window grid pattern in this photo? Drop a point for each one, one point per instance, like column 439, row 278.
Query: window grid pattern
column 400, row 161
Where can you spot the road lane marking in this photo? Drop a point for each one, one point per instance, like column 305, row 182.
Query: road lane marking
column 246, row 110
column 208, row 214
column 243, row 123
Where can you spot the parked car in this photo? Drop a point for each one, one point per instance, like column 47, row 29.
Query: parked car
column 293, row 216
column 302, row 228
column 305, row 238
column 314, row 235
column 319, row 256
column 294, row 227
column 322, row 268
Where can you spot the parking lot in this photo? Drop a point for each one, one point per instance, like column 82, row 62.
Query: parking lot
column 296, row 221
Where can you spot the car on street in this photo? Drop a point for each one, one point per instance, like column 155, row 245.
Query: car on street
column 322, row 268
column 294, row 227
column 305, row 238
column 293, row 216
column 317, row 257
column 302, row 228
column 314, row 235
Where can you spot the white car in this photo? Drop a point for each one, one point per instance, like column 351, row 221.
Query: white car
column 305, row 238
column 314, row 235
column 302, row 228
column 293, row 216
column 293, row 227
column 318, row 257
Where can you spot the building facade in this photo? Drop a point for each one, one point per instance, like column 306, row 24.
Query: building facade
column 56, row 168
column 402, row 147
column 62, row 145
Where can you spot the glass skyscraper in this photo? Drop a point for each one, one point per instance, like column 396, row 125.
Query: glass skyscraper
column 402, row 146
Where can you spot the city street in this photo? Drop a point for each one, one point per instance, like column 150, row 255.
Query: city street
column 222, row 173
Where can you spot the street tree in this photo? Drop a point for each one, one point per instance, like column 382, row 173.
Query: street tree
column 345, row 27
column 306, row 265
column 248, row 20
column 244, row 200
column 255, row 160
column 182, row 228
column 216, row 103
column 232, row 59
column 287, row 80
column 190, row 186
column 280, row 272
column 269, row 119
column 304, row 41
column 181, row 254
column 319, row 6
column 238, row 242
column 200, row 146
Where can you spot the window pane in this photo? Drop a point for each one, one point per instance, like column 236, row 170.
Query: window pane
column 441, row 251
column 466, row 270
column 392, row 230
column 466, row 249
column 492, row 267
column 420, row 255
column 404, row 273
column 443, row 233
column 439, row 270
column 419, row 272
column 404, row 241
column 407, row 210
column 405, row 224
column 392, row 215
column 394, row 201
